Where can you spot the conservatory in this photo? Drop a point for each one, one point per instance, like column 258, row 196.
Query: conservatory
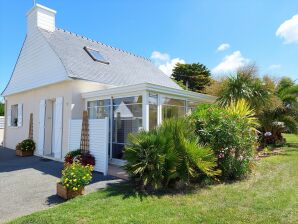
column 130, row 109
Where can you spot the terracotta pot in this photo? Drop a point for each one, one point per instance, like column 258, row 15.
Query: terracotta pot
column 65, row 193
column 23, row 153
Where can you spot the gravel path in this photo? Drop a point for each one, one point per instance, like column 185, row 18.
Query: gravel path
column 28, row 184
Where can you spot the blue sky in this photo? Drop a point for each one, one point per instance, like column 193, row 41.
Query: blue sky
column 168, row 31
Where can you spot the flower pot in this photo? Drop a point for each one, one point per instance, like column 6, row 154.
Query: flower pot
column 66, row 194
column 24, row 153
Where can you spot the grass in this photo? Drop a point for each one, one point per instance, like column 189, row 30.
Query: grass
column 269, row 195
column 291, row 138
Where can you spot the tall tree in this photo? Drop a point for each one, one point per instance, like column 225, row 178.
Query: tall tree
column 281, row 114
column 194, row 76
column 245, row 85
column 1, row 109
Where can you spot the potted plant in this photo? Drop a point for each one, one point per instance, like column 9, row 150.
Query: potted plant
column 74, row 178
column 25, row 148
column 84, row 159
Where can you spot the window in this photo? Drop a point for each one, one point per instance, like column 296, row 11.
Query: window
column 153, row 110
column 14, row 116
column 127, row 118
column 172, row 108
column 98, row 109
column 191, row 106
column 96, row 55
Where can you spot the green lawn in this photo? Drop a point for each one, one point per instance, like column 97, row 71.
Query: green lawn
column 291, row 138
column 269, row 195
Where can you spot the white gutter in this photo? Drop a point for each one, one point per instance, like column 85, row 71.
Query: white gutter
column 114, row 91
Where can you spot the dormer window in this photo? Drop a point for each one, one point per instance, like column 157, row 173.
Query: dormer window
column 95, row 55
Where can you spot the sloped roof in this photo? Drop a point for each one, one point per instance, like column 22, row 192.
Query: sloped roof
column 123, row 69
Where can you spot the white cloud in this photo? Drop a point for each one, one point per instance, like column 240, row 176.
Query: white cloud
column 157, row 56
column 223, row 47
column 164, row 62
column 274, row 67
column 288, row 30
column 168, row 67
column 230, row 63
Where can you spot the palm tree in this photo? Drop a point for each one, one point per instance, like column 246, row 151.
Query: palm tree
column 244, row 85
column 281, row 114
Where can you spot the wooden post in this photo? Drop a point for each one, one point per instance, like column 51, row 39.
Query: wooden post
column 84, row 144
column 31, row 127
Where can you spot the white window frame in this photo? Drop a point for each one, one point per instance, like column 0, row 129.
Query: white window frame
column 19, row 116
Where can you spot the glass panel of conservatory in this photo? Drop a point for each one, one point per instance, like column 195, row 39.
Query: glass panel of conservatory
column 172, row 108
column 127, row 118
column 191, row 106
column 98, row 109
column 152, row 110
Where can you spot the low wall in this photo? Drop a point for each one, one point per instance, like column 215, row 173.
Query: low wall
column 98, row 141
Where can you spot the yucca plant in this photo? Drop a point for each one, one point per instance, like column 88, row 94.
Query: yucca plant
column 242, row 108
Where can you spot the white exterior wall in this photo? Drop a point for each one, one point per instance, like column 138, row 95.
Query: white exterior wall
column 73, row 107
column 79, row 87
column 31, row 100
column 37, row 65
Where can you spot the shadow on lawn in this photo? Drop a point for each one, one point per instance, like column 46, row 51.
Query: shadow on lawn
column 54, row 200
column 128, row 190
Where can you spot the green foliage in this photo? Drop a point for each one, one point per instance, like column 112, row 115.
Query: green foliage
column 1, row 109
column 230, row 137
column 76, row 176
column 242, row 108
column 27, row 145
column 281, row 114
column 170, row 153
column 244, row 85
column 73, row 153
column 196, row 76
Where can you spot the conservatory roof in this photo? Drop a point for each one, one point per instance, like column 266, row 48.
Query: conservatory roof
column 141, row 88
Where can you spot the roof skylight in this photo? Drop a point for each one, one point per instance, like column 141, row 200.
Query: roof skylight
column 95, row 55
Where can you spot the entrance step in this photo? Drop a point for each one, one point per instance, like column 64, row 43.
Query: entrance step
column 117, row 171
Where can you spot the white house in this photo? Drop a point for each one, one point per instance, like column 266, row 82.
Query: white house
column 58, row 74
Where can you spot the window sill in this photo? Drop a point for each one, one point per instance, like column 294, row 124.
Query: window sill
column 14, row 127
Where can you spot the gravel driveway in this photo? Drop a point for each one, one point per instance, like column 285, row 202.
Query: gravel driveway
column 28, row 184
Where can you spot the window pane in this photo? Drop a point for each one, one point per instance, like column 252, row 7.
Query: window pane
column 95, row 55
column 191, row 105
column 127, row 100
column 171, row 101
column 98, row 109
column 172, row 111
column 172, row 108
column 152, row 110
column 127, row 118
column 14, row 115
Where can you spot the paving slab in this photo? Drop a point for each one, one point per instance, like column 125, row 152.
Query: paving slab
column 28, row 184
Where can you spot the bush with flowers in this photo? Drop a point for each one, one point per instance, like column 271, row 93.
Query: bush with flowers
column 230, row 136
column 84, row 159
column 76, row 176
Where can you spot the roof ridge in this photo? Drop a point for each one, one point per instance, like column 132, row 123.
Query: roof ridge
column 98, row 42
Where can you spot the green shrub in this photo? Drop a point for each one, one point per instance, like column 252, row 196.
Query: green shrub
column 76, row 176
column 168, row 154
column 230, row 136
column 27, row 145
